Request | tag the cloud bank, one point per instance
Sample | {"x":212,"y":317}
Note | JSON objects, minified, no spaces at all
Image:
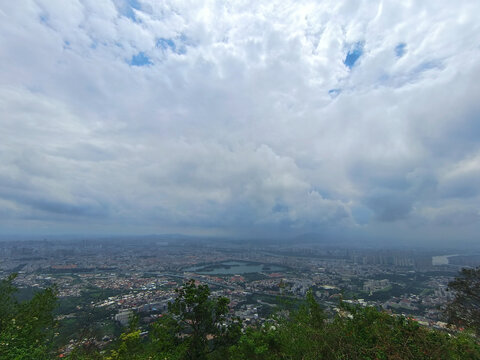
{"x":241,"y":118}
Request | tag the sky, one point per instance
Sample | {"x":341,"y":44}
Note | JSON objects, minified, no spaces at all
{"x":348,"y":119}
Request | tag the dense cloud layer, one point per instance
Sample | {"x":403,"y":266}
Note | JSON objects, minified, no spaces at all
{"x":241,"y":118}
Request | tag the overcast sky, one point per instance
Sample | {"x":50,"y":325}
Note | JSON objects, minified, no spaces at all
{"x":243,"y":118}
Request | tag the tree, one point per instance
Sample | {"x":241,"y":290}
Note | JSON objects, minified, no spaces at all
{"x":26,"y":329}
{"x":203,"y":319}
{"x":7,"y":301}
{"x":196,"y":327}
{"x":464,"y":310}
{"x":354,"y":333}
{"x":290,"y":334}
{"x":165,"y":340}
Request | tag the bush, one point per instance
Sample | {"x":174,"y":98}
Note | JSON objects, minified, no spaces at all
{"x":26,"y":329}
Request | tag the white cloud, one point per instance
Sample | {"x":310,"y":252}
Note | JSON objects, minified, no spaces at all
{"x":231,"y":125}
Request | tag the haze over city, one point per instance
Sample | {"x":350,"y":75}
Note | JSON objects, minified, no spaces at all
{"x":348,"y":120}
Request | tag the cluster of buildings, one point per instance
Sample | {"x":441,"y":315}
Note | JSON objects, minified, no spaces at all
{"x":140,"y":277}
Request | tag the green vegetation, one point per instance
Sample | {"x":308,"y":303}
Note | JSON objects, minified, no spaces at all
{"x":254,"y":276}
{"x":199,"y":327}
{"x":85,"y":321}
{"x":464,"y":311}
{"x":355,"y":333}
{"x":26,"y":328}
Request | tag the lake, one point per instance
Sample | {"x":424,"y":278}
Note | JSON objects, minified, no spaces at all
{"x":234,"y":268}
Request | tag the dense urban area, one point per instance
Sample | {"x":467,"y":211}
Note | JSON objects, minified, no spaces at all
{"x":102,"y":282}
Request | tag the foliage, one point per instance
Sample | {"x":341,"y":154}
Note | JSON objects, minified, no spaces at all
{"x":165,"y":339}
{"x":26,"y":328}
{"x":198,"y":327}
{"x":203,"y":318}
{"x":354,"y":333}
{"x":464,"y":310}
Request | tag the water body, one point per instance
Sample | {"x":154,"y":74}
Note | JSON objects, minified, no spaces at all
{"x":234,"y":268}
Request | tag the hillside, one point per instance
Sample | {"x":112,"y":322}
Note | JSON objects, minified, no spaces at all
{"x":199,"y":326}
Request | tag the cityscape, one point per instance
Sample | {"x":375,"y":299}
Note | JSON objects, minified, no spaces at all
{"x":239,"y":180}
{"x":102,"y":282}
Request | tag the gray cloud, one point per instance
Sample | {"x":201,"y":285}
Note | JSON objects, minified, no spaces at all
{"x":389,"y":205}
{"x":232,"y":118}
